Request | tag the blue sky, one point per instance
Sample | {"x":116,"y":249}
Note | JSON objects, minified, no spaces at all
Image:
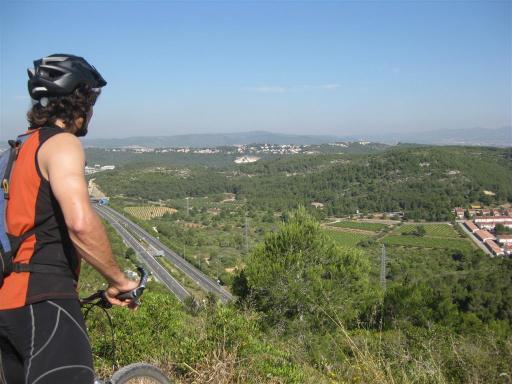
{"x":344,"y":68}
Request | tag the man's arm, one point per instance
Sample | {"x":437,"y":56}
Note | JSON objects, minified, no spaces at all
{"x":61,"y":160}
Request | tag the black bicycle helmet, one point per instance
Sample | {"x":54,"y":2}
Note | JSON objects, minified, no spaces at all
{"x":60,"y":75}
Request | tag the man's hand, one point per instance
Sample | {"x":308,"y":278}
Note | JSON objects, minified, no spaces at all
{"x":115,"y":289}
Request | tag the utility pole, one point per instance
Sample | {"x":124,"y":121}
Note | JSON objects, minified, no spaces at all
{"x":383,"y":267}
{"x":186,"y":198}
{"x":246,"y":233}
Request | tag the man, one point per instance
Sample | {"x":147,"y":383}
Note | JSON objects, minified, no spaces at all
{"x":42,"y":331}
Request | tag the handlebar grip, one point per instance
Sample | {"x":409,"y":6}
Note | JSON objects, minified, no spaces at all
{"x":136,"y":293}
{"x":130,"y":295}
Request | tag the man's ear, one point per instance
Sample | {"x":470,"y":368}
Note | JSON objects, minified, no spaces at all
{"x":79,"y":121}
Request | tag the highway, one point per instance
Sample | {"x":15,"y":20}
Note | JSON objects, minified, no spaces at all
{"x":158,"y":271}
{"x":203,"y":281}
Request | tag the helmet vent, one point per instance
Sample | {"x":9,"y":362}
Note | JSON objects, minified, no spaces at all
{"x":50,"y":73}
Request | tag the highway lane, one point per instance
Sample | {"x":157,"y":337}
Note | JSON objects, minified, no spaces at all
{"x":158,"y":270}
{"x":184,"y":266}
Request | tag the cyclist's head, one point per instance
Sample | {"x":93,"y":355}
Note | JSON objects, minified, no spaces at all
{"x":63,"y":87}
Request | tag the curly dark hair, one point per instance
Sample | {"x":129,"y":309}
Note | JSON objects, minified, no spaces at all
{"x":68,"y":108}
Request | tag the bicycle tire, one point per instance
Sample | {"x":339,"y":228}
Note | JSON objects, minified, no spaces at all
{"x":139,"y":371}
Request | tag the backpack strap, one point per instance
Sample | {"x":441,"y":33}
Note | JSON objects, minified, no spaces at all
{"x":10,"y":244}
{"x":16,"y":241}
{"x":32,"y":267}
{"x":14,"y":150}
{"x":41,"y":268}
{"x":13,"y":155}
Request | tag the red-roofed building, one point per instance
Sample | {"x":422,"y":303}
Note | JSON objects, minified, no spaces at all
{"x":494,"y":248}
{"x":459,"y":212}
{"x":472,"y":212}
{"x":484,"y":235}
{"x":471,"y":226}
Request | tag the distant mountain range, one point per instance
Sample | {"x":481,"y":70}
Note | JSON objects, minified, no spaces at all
{"x":202,"y":140}
{"x":501,"y":137}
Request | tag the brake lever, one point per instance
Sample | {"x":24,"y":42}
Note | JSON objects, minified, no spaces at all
{"x":98,"y":298}
{"x":103,"y":302}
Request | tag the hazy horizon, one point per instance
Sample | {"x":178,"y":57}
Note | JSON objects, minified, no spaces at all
{"x":355,"y":135}
{"x":330,"y":68}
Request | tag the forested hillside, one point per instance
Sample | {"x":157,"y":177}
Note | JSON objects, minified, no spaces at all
{"x":423,"y":182}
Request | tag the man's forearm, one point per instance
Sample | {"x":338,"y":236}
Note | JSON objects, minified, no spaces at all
{"x":92,"y":243}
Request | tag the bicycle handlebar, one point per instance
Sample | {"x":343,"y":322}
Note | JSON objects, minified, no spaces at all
{"x":134,"y":294}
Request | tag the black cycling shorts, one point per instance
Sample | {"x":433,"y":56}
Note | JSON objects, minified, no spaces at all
{"x":45,"y":343}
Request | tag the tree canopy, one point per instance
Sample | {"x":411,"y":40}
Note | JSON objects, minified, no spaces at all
{"x":299,"y":274}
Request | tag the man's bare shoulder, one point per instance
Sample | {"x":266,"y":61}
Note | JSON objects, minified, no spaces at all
{"x":63,"y":141}
{"x":62,"y":145}
{"x":63,"y":151}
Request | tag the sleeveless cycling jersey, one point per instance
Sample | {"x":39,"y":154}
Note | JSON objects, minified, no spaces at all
{"x":32,"y":205}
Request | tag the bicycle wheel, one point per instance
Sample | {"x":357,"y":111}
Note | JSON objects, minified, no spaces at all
{"x":139,"y":373}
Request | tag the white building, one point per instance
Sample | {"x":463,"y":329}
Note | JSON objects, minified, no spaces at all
{"x":246,"y":159}
{"x":505,"y":239}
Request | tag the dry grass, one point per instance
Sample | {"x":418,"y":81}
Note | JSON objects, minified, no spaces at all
{"x":218,"y":368}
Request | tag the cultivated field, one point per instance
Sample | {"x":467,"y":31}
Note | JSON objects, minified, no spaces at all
{"x":438,"y":230}
{"x":149,"y":212}
{"x":349,"y":239}
{"x":374,"y":227}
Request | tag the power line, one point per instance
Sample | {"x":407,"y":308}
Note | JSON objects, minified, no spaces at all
{"x":383,"y":267}
{"x":246,"y":234}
